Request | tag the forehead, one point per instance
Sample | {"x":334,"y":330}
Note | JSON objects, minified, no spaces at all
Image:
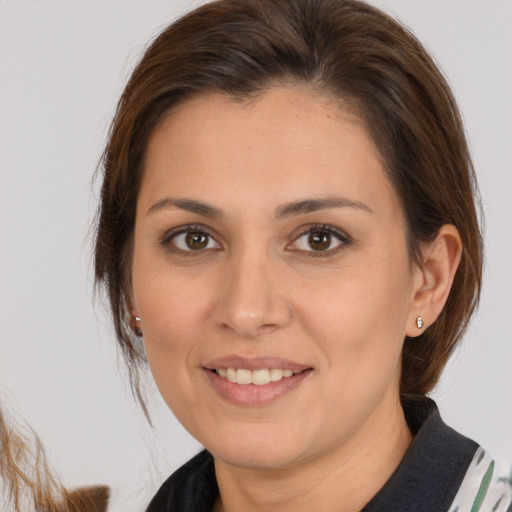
{"x":284,"y":143}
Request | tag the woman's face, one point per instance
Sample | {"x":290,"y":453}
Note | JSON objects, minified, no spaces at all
{"x":269,"y":243}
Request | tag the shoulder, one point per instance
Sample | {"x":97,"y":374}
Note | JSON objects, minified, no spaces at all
{"x":487,"y":485}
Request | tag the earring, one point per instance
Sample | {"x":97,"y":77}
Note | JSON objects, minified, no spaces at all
{"x":136,"y":328}
{"x":419,"y":322}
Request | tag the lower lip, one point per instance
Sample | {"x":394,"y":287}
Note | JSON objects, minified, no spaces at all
{"x":251,"y":395}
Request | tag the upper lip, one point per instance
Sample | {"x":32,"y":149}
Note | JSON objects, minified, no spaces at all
{"x":255,"y":363}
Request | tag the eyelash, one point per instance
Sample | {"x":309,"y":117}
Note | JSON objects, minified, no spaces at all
{"x":343,"y":238}
{"x":167,"y":239}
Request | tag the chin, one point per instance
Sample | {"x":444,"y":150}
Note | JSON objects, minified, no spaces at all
{"x":256,"y":459}
{"x":259,"y":448}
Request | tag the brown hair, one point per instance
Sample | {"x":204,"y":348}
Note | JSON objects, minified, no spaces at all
{"x":27,"y":480}
{"x":346,"y":49}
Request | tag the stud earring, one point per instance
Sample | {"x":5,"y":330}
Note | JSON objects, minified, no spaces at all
{"x":136,"y":328}
{"x":419,"y":322}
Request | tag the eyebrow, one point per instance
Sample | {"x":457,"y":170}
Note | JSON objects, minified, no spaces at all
{"x":284,"y":211}
{"x":189,"y":205}
{"x":314,"y":205}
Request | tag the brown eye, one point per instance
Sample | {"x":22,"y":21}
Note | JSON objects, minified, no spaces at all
{"x":196,"y":241}
{"x":324,"y":240}
{"x":193,"y":240}
{"x":319,"y":241}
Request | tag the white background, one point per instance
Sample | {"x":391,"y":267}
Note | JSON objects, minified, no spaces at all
{"x":62,"y":68}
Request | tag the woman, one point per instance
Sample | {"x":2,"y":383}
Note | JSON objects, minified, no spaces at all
{"x":288,"y":221}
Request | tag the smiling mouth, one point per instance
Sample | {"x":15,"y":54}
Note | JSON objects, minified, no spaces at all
{"x":259,"y":377}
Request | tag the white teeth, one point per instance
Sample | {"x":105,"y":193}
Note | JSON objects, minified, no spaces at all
{"x":276,"y":374}
{"x":260,"y":377}
{"x":231,"y":375}
{"x":257,"y":377}
{"x":243,"y":377}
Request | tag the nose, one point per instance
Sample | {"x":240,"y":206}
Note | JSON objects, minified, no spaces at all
{"x":251,"y":299}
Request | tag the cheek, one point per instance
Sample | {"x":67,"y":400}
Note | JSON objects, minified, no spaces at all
{"x":359,"y":316}
{"x":168,"y":299}
{"x":172,"y":308}
{"x":170,"y":322}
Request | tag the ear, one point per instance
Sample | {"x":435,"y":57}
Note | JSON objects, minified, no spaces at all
{"x":135,"y":322}
{"x":433,"y":278}
{"x":131,"y":306}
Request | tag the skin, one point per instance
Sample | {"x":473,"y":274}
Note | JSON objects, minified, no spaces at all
{"x":258,"y":289}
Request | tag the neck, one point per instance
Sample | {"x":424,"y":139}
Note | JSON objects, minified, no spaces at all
{"x":342,"y":480}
